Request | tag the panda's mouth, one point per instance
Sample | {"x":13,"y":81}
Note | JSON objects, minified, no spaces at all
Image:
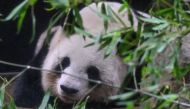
{"x":67,"y":99}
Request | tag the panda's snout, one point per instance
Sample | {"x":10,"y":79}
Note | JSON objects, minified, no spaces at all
{"x":68,"y":90}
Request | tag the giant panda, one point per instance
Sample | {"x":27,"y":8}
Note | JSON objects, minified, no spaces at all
{"x":73,"y":71}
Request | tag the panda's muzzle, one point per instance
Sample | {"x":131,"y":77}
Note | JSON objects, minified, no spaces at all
{"x":68,"y":90}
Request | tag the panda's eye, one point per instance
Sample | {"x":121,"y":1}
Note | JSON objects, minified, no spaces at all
{"x":94,"y":74}
{"x":65,"y":62}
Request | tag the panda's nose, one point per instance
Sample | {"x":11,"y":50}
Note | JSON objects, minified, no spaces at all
{"x":68,"y":90}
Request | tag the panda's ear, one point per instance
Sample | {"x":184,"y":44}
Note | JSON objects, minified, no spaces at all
{"x":56,"y":37}
{"x":54,"y":34}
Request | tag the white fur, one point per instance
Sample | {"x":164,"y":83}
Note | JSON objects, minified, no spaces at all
{"x":112,"y":69}
{"x":91,"y":18}
{"x":42,"y":38}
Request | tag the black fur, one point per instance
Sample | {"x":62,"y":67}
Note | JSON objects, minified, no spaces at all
{"x":27,"y":89}
{"x":94,"y":74}
{"x":65,"y":62}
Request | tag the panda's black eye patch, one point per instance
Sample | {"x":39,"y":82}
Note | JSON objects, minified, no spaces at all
{"x":65,"y":62}
{"x":94,"y":74}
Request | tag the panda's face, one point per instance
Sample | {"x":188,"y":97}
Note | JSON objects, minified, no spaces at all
{"x":78,"y":64}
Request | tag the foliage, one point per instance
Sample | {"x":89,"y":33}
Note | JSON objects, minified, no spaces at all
{"x":20,"y":11}
{"x":155,"y":45}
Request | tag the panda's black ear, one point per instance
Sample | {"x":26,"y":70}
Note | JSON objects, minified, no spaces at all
{"x":47,"y":35}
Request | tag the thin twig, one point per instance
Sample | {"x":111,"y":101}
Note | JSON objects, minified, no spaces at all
{"x":86,"y":93}
{"x":135,"y":79}
{"x":16,"y":76}
{"x":162,"y":98}
{"x":39,"y":69}
{"x":27,"y":67}
{"x":8,"y":73}
{"x":66,"y":19}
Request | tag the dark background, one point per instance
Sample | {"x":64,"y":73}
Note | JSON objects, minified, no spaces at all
{"x":17,"y":48}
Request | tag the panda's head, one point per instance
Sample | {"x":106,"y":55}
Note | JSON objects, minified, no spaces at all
{"x":79,"y":64}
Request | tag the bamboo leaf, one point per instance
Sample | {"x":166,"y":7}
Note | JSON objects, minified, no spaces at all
{"x":33,"y":24}
{"x":113,"y":44}
{"x":82,"y":32}
{"x":2,"y":95}
{"x":160,"y":27}
{"x":12,"y":104}
{"x":21,"y":19}
{"x":122,"y":96}
{"x":16,"y":11}
{"x":33,"y":2}
{"x":45,"y":100}
{"x":103,"y":11}
{"x":153,"y":20}
{"x":81,"y":104}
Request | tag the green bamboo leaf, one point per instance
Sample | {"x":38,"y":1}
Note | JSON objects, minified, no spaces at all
{"x":148,"y":35}
{"x":50,"y":107}
{"x":81,"y":104}
{"x":2,"y":95}
{"x":21,"y":19}
{"x":33,"y":24}
{"x":122,"y":96}
{"x":15,"y":12}
{"x":33,"y":2}
{"x":103,"y":11}
{"x":145,"y":55}
{"x":161,"y":26}
{"x":123,"y":7}
{"x":152,"y":88}
{"x":56,"y":17}
{"x":130,"y":105}
{"x":57,"y":4}
{"x":164,"y":11}
{"x":113,"y":44}
{"x":169,"y":97}
{"x":105,"y":17}
{"x":45,"y":100}
{"x":82,"y":32}
{"x":153,"y":20}
{"x":117,"y":18}
{"x":78,"y":19}
{"x":64,"y":2}
{"x":12,"y":104}
{"x":162,"y":47}
{"x":90,"y":44}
